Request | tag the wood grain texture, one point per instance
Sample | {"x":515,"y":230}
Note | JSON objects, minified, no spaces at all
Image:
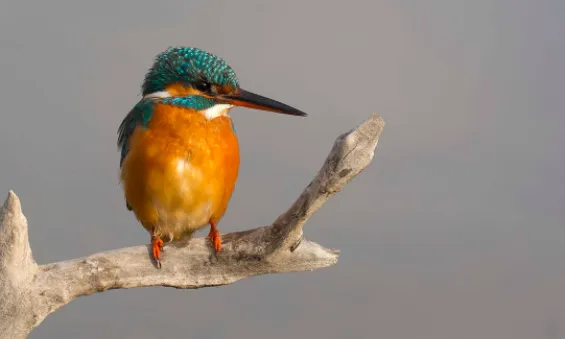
{"x":29,"y":293}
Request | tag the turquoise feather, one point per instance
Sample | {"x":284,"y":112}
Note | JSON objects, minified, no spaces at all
{"x":187,"y":65}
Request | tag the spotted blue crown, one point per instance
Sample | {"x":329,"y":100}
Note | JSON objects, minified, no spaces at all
{"x":187,"y":65}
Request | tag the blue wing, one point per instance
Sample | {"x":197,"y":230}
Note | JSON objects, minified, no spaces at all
{"x":139,"y":115}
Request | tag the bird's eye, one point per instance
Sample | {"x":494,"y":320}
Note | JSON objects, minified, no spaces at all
{"x":203,"y":86}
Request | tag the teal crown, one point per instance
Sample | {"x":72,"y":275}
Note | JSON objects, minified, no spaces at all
{"x":187,"y":65}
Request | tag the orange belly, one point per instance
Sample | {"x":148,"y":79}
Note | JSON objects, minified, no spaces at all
{"x":180,"y":171}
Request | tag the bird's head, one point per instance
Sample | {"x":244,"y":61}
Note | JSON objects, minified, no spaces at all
{"x":187,"y":76}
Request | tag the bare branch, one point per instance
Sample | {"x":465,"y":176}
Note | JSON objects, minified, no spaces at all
{"x":352,"y":152}
{"x":191,"y":264}
{"x":29,"y":293}
{"x":17,"y":270}
{"x":15,"y":253}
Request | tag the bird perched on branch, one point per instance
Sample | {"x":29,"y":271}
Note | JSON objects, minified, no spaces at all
{"x":179,"y":151}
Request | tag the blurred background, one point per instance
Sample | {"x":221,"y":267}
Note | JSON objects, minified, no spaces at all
{"x":456,"y":230}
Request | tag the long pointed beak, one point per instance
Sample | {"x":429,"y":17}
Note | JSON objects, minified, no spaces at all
{"x":256,"y":101}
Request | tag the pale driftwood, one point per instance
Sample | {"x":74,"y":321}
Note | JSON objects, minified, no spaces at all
{"x":29,"y":292}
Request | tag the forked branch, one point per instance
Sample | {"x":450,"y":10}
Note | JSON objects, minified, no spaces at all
{"x":28,"y":292}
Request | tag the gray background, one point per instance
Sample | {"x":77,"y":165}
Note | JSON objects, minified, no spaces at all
{"x":455,"y":231}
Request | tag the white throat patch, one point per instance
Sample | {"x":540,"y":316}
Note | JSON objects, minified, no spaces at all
{"x":218,"y":110}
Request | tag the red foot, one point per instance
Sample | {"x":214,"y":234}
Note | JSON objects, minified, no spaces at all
{"x":215,"y":237}
{"x":157,"y":246}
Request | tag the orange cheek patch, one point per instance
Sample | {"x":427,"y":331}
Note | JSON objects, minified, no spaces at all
{"x":226,"y":89}
{"x":181,"y":90}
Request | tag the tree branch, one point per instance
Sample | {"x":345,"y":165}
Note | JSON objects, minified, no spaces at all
{"x":352,"y":152}
{"x":29,"y":293}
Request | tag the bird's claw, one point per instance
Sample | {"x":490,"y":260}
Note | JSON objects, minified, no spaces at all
{"x":157,"y":248}
{"x":215,"y":237}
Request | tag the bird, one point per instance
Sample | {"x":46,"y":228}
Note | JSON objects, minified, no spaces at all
{"x":179,"y":152}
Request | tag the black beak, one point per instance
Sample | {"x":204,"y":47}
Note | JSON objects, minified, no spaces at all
{"x":247,"y":99}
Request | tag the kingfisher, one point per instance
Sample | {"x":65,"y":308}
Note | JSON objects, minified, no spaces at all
{"x":179,"y":151}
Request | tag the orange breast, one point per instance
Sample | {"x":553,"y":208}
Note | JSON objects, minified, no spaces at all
{"x":180,"y":170}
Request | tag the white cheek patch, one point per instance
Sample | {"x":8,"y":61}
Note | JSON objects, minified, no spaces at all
{"x":157,"y":95}
{"x":219,"y":110}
